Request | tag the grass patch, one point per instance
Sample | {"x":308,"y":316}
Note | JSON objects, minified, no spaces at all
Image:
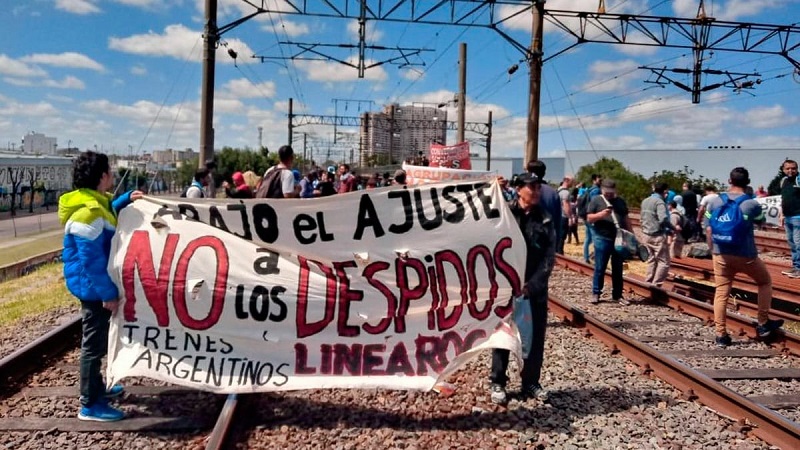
{"x":34,"y":294}
{"x":10,"y":255}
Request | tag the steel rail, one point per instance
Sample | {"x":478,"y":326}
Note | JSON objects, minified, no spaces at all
{"x":740,"y":324}
{"x":219,"y":435}
{"x":26,"y":359}
{"x":767,"y":424}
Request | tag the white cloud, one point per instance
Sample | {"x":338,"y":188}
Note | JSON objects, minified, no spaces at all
{"x":40,"y":109}
{"x":412,"y":74}
{"x":243,"y":88}
{"x":768,"y":117}
{"x":179,"y":42}
{"x":81,"y":7}
{"x":730,"y":10}
{"x":146,"y":4}
{"x":67,"y":59}
{"x":372,"y":33}
{"x":16,"y":68}
{"x":335,"y":72}
{"x":139,"y":70}
{"x":69,"y":82}
{"x":610,"y":76}
{"x":292,"y":29}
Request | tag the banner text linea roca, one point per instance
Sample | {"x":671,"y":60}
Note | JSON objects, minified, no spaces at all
{"x":388,"y":288}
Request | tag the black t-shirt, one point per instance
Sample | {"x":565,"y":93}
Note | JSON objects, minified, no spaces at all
{"x":605,"y":227}
{"x":690,"y":203}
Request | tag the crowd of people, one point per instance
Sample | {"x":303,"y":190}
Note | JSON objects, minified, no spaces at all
{"x":284,"y":181}
{"x":547,"y":217}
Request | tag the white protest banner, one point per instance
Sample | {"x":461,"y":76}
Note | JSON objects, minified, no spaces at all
{"x":772,"y":209}
{"x":387,"y":288}
{"x":450,"y":156}
{"x":416,"y":175}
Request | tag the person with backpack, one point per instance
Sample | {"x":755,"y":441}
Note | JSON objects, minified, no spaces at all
{"x":583,"y":207}
{"x":731,"y":237}
{"x":656,"y":226}
{"x":790,"y":213}
{"x":676,"y":239}
{"x":197,"y":188}
{"x":278,"y":180}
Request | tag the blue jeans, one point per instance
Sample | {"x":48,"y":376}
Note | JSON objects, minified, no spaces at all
{"x":603,"y":251}
{"x":587,"y":241}
{"x":792,"y":225}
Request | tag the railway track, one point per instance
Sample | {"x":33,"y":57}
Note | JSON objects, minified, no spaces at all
{"x":665,"y":343}
{"x":770,"y":242}
{"x":159,"y":409}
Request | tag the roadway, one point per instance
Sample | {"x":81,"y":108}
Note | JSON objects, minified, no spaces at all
{"x":28,"y":228}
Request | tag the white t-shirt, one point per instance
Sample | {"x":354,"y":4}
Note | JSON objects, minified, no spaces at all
{"x":707,"y":198}
{"x":287,"y":178}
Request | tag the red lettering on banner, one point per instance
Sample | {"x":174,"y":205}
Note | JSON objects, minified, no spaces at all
{"x":219,"y":289}
{"x":346,"y":295}
{"x":406,"y":293}
{"x":445,"y":321}
{"x":432,"y":355}
{"x":139,"y":256}
{"x":304,"y":327}
{"x":509,"y":272}
{"x":391,"y":301}
{"x":472,"y":257}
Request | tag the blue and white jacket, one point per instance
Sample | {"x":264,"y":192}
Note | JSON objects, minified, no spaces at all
{"x":90,"y":220}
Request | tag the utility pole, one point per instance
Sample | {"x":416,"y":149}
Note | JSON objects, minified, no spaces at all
{"x":535,"y":64}
{"x":462,"y":90}
{"x":489,"y":143}
{"x":291,"y":115}
{"x":210,"y":39}
{"x":391,"y":134}
{"x":305,"y":144}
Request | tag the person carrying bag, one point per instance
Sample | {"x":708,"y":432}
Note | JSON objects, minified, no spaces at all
{"x":625,"y":243}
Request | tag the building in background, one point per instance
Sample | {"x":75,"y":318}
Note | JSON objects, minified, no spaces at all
{"x":47,"y":177}
{"x":400,"y":132}
{"x":35,"y":143}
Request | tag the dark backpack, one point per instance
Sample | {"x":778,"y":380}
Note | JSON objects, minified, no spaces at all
{"x":687,"y":230}
{"x":728,"y":223}
{"x":270,"y":186}
{"x":583,"y":204}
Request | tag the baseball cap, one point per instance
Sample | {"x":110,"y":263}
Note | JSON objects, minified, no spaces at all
{"x":526,"y":178}
{"x":608,"y":185}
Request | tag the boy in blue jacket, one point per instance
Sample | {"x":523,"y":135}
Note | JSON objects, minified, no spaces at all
{"x":90,"y":219}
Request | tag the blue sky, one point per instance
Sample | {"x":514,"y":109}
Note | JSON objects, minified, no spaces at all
{"x":125,"y":74}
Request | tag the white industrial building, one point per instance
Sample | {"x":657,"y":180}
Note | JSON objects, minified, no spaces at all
{"x":35,"y":143}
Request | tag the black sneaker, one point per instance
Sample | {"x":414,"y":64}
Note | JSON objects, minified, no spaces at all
{"x":724,"y":341}
{"x":767,"y":329}
{"x":499,"y":395}
{"x":535,"y":391}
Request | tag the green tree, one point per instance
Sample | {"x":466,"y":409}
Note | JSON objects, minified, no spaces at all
{"x":631,"y":186}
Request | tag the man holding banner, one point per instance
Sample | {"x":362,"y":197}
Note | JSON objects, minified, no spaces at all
{"x":539,"y":232}
{"x":790,"y":213}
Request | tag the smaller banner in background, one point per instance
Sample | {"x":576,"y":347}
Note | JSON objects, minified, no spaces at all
{"x":450,"y":156}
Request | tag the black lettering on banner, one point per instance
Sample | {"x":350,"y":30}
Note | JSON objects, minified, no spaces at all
{"x":458,"y":215}
{"x":486,"y":201}
{"x":189,"y":211}
{"x":216,"y":219}
{"x":265,"y":221}
{"x":428,"y":224}
{"x":168,"y":211}
{"x":267,"y":264}
{"x":466,"y":189}
{"x":408,"y":211}
{"x":248,"y":235}
{"x":304,"y":222}
{"x":367,"y":217}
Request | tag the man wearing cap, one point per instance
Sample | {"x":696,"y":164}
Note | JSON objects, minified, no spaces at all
{"x":540,"y":238}
{"x":604,"y":212}
{"x":548,"y":196}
